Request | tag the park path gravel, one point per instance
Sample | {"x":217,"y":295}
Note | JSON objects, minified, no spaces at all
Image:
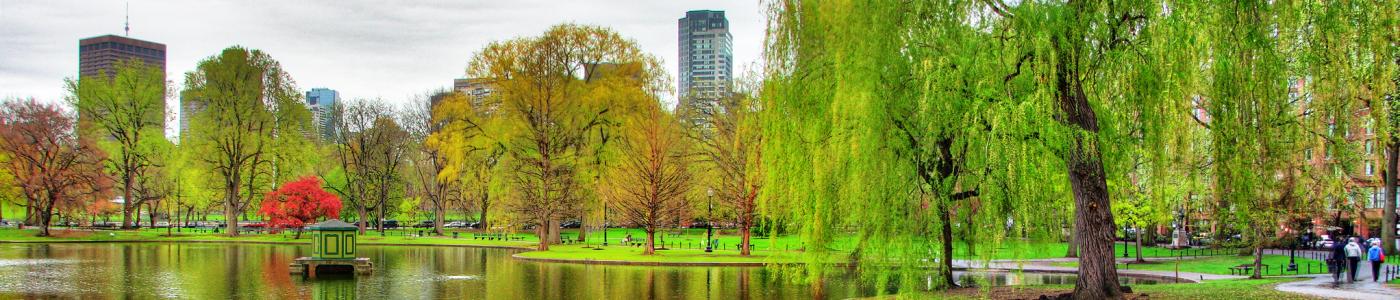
{"x":1319,"y":285}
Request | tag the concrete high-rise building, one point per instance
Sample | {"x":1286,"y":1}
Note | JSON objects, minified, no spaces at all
{"x":706,"y":59}
{"x":188,"y":108}
{"x":98,"y":56}
{"x":321,"y":101}
{"x":473,"y":87}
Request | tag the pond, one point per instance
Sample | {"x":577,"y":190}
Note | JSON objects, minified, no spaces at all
{"x":259,"y":271}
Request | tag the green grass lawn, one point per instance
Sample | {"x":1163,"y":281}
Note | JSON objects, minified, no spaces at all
{"x":1219,"y":264}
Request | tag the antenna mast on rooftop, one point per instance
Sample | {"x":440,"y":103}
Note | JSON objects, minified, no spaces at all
{"x":128,"y":19}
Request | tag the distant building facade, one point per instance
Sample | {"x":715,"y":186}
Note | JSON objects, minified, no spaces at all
{"x":188,"y":108}
{"x":98,"y":57}
{"x":476,"y":88}
{"x":706,"y":59}
{"x":321,"y":102}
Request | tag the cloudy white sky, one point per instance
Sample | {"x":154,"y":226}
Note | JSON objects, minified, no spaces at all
{"x":364,"y":49}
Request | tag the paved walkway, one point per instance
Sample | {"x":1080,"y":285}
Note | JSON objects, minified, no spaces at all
{"x":1324,"y":286}
{"x":1320,"y":285}
{"x":1047,"y":265}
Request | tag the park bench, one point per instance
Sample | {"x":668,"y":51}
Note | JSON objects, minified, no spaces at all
{"x":1241,"y":269}
{"x":1244,"y":269}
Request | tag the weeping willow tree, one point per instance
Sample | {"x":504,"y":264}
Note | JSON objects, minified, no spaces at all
{"x":1284,"y":85}
{"x":882,"y":116}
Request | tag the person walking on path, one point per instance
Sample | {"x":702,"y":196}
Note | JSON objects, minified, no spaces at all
{"x":1377,"y":257}
{"x":1338,"y":261}
{"x":1353,"y":258}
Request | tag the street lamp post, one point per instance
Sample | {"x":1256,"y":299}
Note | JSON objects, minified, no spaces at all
{"x":605,"y":225}
{"x":1125,"y":242}
{"x":1292,"y":265}
{"x":709,"y":221}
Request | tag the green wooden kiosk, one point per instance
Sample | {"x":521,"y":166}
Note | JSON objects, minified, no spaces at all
{"x":332,"y":247}
{"x":332,"y":239}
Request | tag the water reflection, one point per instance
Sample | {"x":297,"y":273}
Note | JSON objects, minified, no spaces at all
{"x":257,"y":271}
{"x":995,"y":278}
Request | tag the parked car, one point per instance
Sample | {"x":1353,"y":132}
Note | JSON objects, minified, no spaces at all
{"x":162,"y":224}
{"x":476,"y":225}
{"x":390,"y":224}
{"x":455,"y":224}
{"x":1324,"y":242}
{"x":424,"y":224}
{"x":570,"y":224}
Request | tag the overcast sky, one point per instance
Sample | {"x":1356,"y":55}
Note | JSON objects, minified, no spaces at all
{"x":364,"y":49}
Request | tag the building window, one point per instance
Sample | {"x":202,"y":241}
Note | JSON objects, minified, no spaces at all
{"x":1370,"y":169}
{"x":1376,"y":196}
{"x":1369,"y":149}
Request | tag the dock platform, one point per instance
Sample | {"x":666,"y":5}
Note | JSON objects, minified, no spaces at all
{"x":308,"y":266}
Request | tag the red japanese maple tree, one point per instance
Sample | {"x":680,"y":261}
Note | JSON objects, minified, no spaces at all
{"x":299,"y":202}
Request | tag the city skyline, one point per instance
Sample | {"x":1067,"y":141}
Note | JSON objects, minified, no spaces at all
{"x":415,"y":49}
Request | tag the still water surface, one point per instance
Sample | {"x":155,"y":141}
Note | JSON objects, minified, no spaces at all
{"x":259,"y":271}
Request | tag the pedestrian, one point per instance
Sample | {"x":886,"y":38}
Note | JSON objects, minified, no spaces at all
{"x":1338,"y":261}
{"x":1353,"y":257}
{"x":1377,"y":257}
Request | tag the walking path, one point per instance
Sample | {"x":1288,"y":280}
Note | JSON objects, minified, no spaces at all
{"x":1047,"y":265}
{"x":1323,"y":285}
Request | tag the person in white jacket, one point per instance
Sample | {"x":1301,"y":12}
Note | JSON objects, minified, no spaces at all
{"x":1354,"y":253}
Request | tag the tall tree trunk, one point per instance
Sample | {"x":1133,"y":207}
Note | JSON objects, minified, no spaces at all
{"x":363,"y":215}
{"x":745,"y":237}
{"x":554,"y":232}
{"x":136,"y":222}
{"x":1388,"y":212}
{"x":481,"y":217}
{"x":1258,"y":261}
{"x":1093,"y":217}
{"x":439,"y":215}
{"x":651,"y":242}
{"x":126,"y":201}
{"x":1071,"y":248}
{"x":151,"y":211}
{"x":230,"y":216}
{"x":582,"y":230}
{"x":945,"y":274}
{"x":380,"y":218}
{"x":1139,"y":246}
{"x":542,"y":232}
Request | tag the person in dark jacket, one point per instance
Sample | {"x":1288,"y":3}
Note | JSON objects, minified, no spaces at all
{"x":1338,"y":261}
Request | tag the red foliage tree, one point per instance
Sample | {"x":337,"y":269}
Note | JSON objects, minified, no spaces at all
{"x":299,"y":202}
{"x":55,"y":170}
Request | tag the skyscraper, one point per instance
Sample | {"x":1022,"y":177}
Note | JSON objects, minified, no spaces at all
{"x":321,"y":101}
{"x":706,"y":59}
{"x":98,"y":56}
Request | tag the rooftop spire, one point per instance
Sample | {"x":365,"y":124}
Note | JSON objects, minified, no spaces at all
{"x":128,"y":19}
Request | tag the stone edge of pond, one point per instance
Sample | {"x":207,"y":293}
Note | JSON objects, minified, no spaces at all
{"x":638,"y":263}
{"x":1163,"y":279}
